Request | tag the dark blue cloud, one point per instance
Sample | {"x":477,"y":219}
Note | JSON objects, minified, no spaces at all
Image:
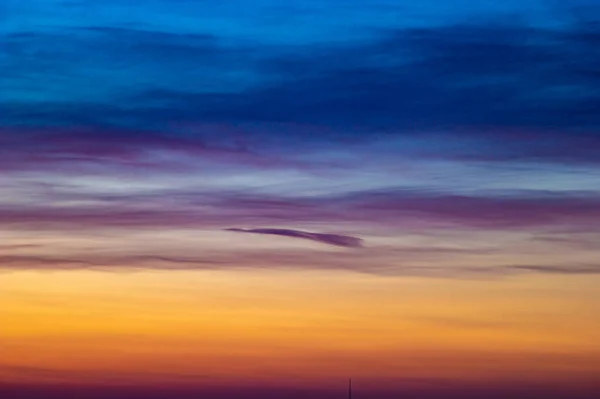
{"x":457,"y":76}
{"x":448,"y":77}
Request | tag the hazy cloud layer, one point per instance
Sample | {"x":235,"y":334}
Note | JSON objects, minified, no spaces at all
{"x":386,"y":121}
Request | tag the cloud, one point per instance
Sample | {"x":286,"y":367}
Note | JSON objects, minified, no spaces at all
{"x":114,"y":263}
{"x":114,"y":60}
{"x":454,"y":76}
{"x":331,"y":239}
{"x":168,"y":104}
{"x":70,"y":149}
{"x":492,"y":74}
{"x":10,"y":247}
{"x":424,"y":262}
{"x":498,"y":91}
{"x":560,"y":269}
{"x":399,"y":210}
{"x":498,"y":212}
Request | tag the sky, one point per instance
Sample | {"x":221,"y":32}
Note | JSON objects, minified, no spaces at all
{"x":262,"y":199}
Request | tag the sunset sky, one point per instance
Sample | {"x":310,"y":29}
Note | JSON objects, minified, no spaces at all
{"x":263,"y":198}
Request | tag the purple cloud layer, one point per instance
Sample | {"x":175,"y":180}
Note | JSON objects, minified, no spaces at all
{"x":262,"y":146}
{"x":395,"y":209}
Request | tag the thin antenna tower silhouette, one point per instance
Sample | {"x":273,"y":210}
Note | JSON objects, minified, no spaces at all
{"x":350,"y":388}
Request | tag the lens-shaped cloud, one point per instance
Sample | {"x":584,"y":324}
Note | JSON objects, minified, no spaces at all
{"x":331,"y":239}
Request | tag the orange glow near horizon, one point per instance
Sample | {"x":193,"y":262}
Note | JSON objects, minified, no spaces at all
{"x":295,"y":327}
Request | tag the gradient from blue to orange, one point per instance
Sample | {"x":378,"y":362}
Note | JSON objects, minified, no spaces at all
{"x":244,"y":199}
